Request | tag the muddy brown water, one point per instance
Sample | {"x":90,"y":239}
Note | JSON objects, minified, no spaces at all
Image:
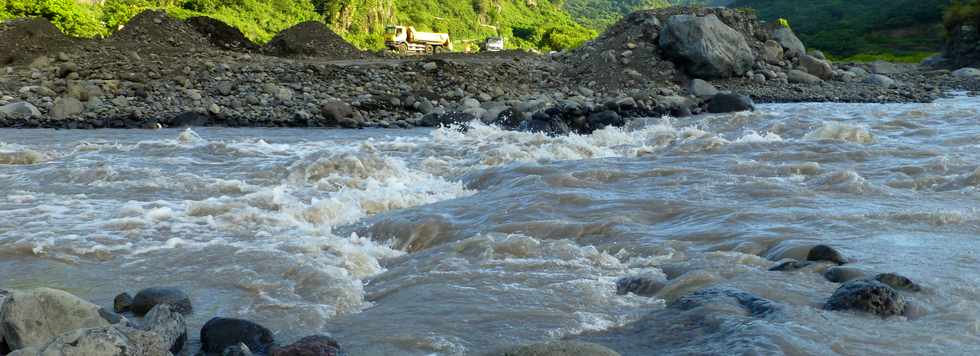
{"x":420,"y":242}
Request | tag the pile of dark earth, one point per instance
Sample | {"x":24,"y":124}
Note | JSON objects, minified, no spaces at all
{"x":158,"y":71}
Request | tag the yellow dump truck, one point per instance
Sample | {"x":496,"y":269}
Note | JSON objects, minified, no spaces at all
{"x":405,"y":39}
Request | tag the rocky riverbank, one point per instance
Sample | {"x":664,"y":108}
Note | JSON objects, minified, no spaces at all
{"x":163,"y":72}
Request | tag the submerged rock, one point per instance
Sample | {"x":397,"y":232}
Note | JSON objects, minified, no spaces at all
{"x":790,"y":265}
{"x":898,"y":282}
{"x":316,"y":345}
{"x":868,"y":296}
{"x":558,"y":348}
{"x":220,"y":333}
{"x":751,"y":303}
{"x":148,"y":298}
{"x":843,"y":274}
{"x":642,"y":286}
{"x":32,"y":318}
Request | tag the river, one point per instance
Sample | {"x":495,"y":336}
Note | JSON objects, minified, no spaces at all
{"x":450,"y":242}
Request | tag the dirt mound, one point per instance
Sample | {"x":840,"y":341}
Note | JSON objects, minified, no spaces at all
{"x":22,"y":40}
{"x":221,"y":35}
{"x":628,"y":54}
{"x":312,"y":39}
{"x":154,"y":30}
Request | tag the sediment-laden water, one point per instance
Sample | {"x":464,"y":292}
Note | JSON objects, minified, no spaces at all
{"x":447,"y":242}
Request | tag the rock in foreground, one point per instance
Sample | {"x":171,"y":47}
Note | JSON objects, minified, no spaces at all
{"x":32,"y":318}
{"x":146,"y":299}
{"x":220,"y":333}
{"x":706,"y":47}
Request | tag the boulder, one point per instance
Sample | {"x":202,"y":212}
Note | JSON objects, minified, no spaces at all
{"x":826,"y":253}
{"x":558,"y":348}
{"x":101,"y":341}
{"x":169,"y":324}
{"x":20,"y":109}
{"x":237,"y":350}
{"x":818,"y":54}
{"x":772,"y":52}
{"x":883,"y":67}
{"x":602,"y":119}
{"x":334,"y":111}
{"x":701,"y":88}
{"x":843,"y":274}
{"x":316,"y":345}
{"x":792,"y":46}
{"x":220,"y":333}
{"x":65,"y":107}
{"x":816,"y":66}
{"x":642,"y":286}
{"x":706,"y":47}
{"x":148,"y":298}
{"x":967,"y":73}
{"x":31,"y":318}
{"x":879,"y":80}
{"x":801,"y":77}
{"x":750,"y":303}
{"x":726,"y":102}
{"x":868,"y":296}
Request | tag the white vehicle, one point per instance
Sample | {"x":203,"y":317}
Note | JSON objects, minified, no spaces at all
{"x":493,"y":44}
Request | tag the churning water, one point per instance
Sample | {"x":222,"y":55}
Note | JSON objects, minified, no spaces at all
{"x":459,"y":242}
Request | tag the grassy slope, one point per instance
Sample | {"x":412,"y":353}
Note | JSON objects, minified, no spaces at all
{"x":258,"y":19}
{"x":848,"y":27}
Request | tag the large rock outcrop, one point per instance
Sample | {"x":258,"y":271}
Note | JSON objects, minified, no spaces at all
{"x":31,"y":318}
{"x":792,"y":46}
{"x":705,"y":47}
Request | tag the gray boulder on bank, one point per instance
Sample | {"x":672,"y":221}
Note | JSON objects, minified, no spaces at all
{"x":102,"y":341}
{"x":21,"y":108}
{"x":816,"y":66}
{"x":169,"y":324}
{"x":967,"y":73}
{"x":792,"y":45}
{"x":32,"y":318}
{"x":801,"y":77}
{"x":880,"y":81}
{"x":701,"y":88}
{"x":706,"y":47}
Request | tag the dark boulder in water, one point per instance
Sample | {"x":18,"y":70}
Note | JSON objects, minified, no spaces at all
{"x":726,"y":102}
{"x":220,"y":333}
{"x":843,"y":274}
{"x":316,"y":345}
{"x":642,"y":286}
{"x":751,"y":303}
{"x":122,"y":303}
{"x":898,"y":281}
{"x":148,"y":298}
{"x":868,"y":296}
{"x":826,"y":253}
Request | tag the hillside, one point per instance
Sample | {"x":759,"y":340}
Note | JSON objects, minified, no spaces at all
{"x":846,"y":27}
{"x":523,"y":23}
{"x":600,"y":14}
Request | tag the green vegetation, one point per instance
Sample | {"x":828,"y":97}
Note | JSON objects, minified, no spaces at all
{"x":536,"y":24}
{"x":962,"y":13}
{"x":912,"y":57}
{"x":599,"y":14}
{"x":258,"y":19}
{"x":903,"y":28}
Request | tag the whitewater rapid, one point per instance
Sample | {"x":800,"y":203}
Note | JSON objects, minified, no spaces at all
{"x":458,"y":241}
